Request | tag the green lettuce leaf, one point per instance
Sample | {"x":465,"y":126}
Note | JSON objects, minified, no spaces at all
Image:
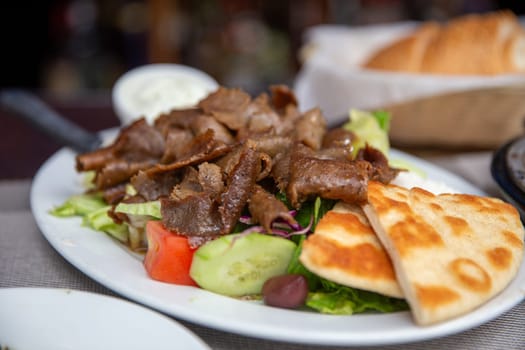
{"x":313,"y":208}
{"x":79,"y":205}
{"x":151,"y":209}
{"x":94,"y":212}
{"x":383,"y":119}
{"x":332,"y":298}
{"x":139,"y":214}
{"x":369,"y":128}
{"x":295,"y":267}
{"x":100,"y":220}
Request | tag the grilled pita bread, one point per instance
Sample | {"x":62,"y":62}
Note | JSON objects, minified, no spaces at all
{"x":345,"y":249}
{"x":451,"y":252}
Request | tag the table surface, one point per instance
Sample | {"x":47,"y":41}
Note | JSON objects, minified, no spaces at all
{"x":27,"y":260}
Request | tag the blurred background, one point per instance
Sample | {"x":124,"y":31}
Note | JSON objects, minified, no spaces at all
{"x":71,"y":51}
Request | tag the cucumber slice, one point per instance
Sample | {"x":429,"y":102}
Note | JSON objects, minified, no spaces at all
{"x":238,"y":264}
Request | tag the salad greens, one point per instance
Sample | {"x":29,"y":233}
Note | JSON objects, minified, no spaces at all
{"x":151,"y":209}
{"x":370,"y":128}
{"x":324,"y":296}
{"x":94,"y":212}
{"x":100,"y":220}
{"x":332,"y":298}
{"x":80,"y":205}
{"x":373,"y":128}
{"x":336,"y":299}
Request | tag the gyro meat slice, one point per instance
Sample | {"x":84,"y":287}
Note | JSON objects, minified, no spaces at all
{"x":137,"y":142}
{"x":202,"y":205}
{"x":331,"y":179}
{"x":311,"y":128}
{"x":176,"y":119}
{"x":239,"y":186}
{"x":380,"y":170}
{"x":202,"y":148}
{"x":211,"y":179}
{"x":177,"y":142}
{"x":204,"y":220}
{"x":262,"y":119}
{"x":338,"y":138}
{"x":119,"y":171}
{"x":282,"y":97}
{"x":152,"y":187}
{"x":265,"y":209}
{"x":203,"y":123}
{"x":281,"y":170}
{"x":272,"y":144}
{"x":228,"y":106}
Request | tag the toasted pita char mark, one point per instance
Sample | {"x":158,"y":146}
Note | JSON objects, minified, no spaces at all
{"x":363,"y":259}
{"x":413,"y":233}
{"x":512,"y":239}
{"x":345,"y":249}
{"x":434,"y":296}
{"x":384,"y":204}
{"x":499,"y":257}
{"x":458,"y":226}
{"x":451,"y":252}
{"x":409,"y":231}
{"x":485,"y":205}
{"x":436,"y":207}
{"x":470,"y":274}
{"x":344,"y":221}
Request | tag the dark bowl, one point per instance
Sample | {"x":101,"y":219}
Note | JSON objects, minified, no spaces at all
{"x":508,"y":171}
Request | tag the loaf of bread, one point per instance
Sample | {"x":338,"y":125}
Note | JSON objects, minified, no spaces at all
{"x":476,"y":44}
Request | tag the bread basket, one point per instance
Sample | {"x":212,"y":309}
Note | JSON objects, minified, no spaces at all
{"x":481,"y":118}
{"x":436,"y":111}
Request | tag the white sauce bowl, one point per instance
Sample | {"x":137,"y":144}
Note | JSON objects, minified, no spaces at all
{"x":150,"y":90}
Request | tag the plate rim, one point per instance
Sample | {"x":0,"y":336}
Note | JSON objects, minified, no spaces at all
{"x":329,"y":337}
{"x":80,"y":297}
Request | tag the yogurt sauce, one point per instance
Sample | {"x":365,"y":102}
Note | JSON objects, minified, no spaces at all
{"x":151,"y":90}
{"x":409,"y":179}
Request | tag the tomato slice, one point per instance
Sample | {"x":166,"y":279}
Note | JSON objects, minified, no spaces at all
{"x":169,"y":255}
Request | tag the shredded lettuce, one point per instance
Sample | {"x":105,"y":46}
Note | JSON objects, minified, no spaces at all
{"x":383,"y":119}
{"x":370,"y":128}
{"x":321,"y":207}
{"x":295,"y":267}
{"x":79,"y":205}
{"x":331,"y":303}
{"x":139,"y":214}
{"x":332,"y":298}
{"x":313,"y":208}
{"x":130,"y":190}
{"x":88,"y":179}
{"x":100,"y":220}
{"x":94,"y":212}
{"x":151,"y":209}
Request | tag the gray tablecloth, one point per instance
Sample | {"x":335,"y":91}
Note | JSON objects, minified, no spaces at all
{"x":27,"y":260}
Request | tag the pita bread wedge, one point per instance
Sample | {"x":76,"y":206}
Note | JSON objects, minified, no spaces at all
{"x":345,"y":249}
{"x":451,"y":252}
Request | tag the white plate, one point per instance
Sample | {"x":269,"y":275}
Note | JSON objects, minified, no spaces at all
{"x":112,"y":265}
{"x":41,"y":318}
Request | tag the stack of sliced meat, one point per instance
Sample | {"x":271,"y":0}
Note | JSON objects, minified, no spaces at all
{"x":232,"y":154}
